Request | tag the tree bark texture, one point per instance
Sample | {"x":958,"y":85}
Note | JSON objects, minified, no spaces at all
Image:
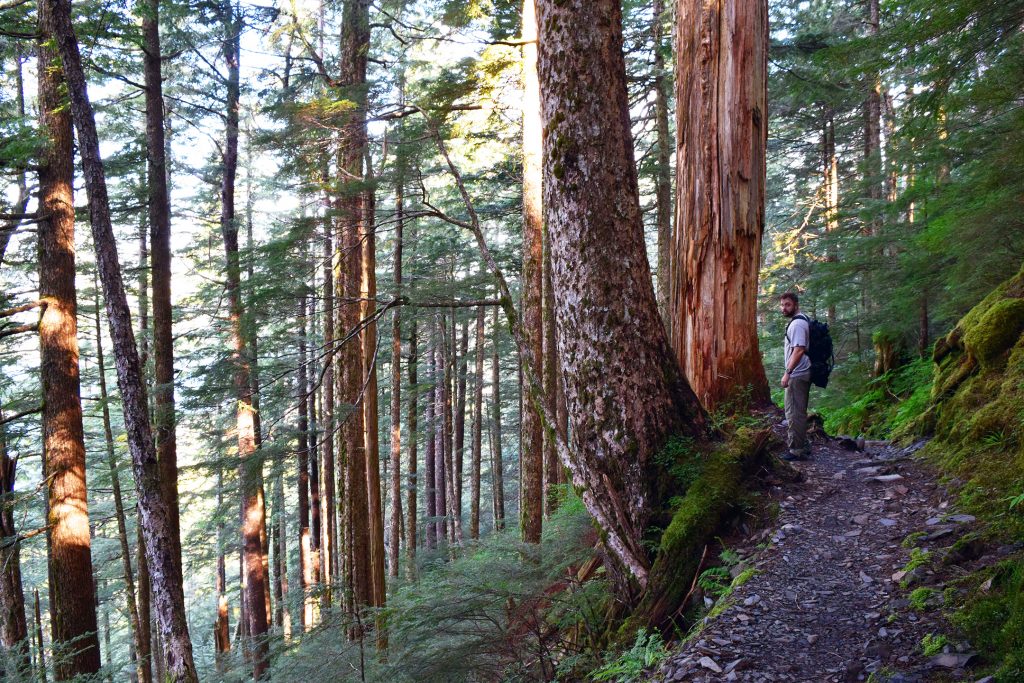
{"x":371,"y":430}
{"x":494,"y":434}
{"x":532,"y":473}
{"x":153,"y":513}
{"x":13,"y":626}
{"x":411,"y":525}
{"x":722,"y":124}
{"x":624,"y":392}
{"x":478,"y":418}
{"x":302,"y":475}
{"x":460,"y":422}
{"x":160,"y":248}
{"x":250,"y":465}
{"x":72,"y":590}
{"x":430,"y":455}
{"x":396,"y":396}
{"x":663,"y":177}
{"x":115,"y":481}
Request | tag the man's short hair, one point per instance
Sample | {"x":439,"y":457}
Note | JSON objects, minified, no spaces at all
{"x":791,"y":296}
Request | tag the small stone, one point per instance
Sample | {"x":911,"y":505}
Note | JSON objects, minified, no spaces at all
{"x":950,"y":660}
{"x":961,"y":519}
{"x":752,"y":600}
{"x":939,"y":533}
{"x":885,"y":521}
{"x":853,"y":534}
{"x":736,"y":665}
{"x":886,"y":478}
{"x":710,"y":664}
{"x":860,"y":519}
{"x":865,"y":578}
{"x":812,"y":639}
{"x":932,"y":521}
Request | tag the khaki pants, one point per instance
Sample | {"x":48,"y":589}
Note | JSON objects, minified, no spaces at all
{"x":797,"y":393}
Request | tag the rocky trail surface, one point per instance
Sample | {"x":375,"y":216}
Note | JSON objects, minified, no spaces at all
{"x":829,"y":596}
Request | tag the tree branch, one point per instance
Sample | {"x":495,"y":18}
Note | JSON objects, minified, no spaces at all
{"x":21,"y":414}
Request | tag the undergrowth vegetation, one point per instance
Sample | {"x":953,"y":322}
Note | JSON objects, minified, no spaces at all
{"x":502,"y":610}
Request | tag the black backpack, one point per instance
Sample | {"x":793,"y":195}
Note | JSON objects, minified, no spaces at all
{"x":819,"y":350}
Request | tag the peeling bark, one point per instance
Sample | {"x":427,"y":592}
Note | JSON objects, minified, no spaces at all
{"x":722,"y":124}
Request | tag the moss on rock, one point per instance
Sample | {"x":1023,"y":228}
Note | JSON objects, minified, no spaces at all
{"x":996,"y":331}
{"x":976,"y":417}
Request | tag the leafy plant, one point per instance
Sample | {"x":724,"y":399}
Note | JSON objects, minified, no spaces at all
{"x":714,"y":581}
{"x":647,"y":651}
{"x":932,"y":644}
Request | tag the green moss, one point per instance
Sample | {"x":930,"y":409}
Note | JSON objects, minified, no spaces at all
{"x":919,"y":598}
{"x":996,"y":331}
{"x":932,"y":644}
{"x":708,"y":501}
{"x":993,"y":619}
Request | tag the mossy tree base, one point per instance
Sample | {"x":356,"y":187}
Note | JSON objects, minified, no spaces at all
{"x":696,"y":518}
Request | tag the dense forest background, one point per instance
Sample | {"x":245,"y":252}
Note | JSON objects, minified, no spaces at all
{"x":895,"y":172}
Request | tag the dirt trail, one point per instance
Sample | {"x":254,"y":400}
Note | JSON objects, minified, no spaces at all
{"x":826,"y":602}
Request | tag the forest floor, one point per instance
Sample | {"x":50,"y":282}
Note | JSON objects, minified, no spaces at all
{"x":848,"y":580}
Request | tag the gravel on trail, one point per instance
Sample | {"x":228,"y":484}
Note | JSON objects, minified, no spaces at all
{"x":826,"y":602}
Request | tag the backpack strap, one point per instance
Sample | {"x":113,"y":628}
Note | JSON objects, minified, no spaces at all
{"x":803,"y":317}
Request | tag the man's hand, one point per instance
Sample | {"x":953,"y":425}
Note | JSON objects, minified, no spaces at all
{"x":785,"y":380}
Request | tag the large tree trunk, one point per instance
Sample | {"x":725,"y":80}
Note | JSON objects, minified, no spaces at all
{"x":250,"y":325}
{"x":532,"y":474}
{"x":327,"y":517}
{"x":430,"y":456}
{"x":115,"y":482}
{"x":453,"y":523}
{"x":624,"y":391}
{"x":282,"y":615}
{"x":221,"y":627}
{"x":663,"y":143}
{"x":371,"y":429}
{"x":396,"y":395}
{"x":250,"y":466}
{"x":154,"y":515}
{"x":13,"y":627}
{"x":460,"y":423}
{"x":873,"y":131}
{"x":552,"y":468}
{"x":160,"y":247}
{"x":38,"y":625}
{"x":410,"y":512}
{"x":722,"y":123}
{"x":440,"y":432}
{"x":494,"y":434}
{"x":478,"y":420}
{"x":830,"y":179}
{"x":305,"y":543}
{"x":72,"y":591}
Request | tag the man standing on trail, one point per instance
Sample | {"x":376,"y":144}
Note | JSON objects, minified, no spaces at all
{"x":797,"y":378}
